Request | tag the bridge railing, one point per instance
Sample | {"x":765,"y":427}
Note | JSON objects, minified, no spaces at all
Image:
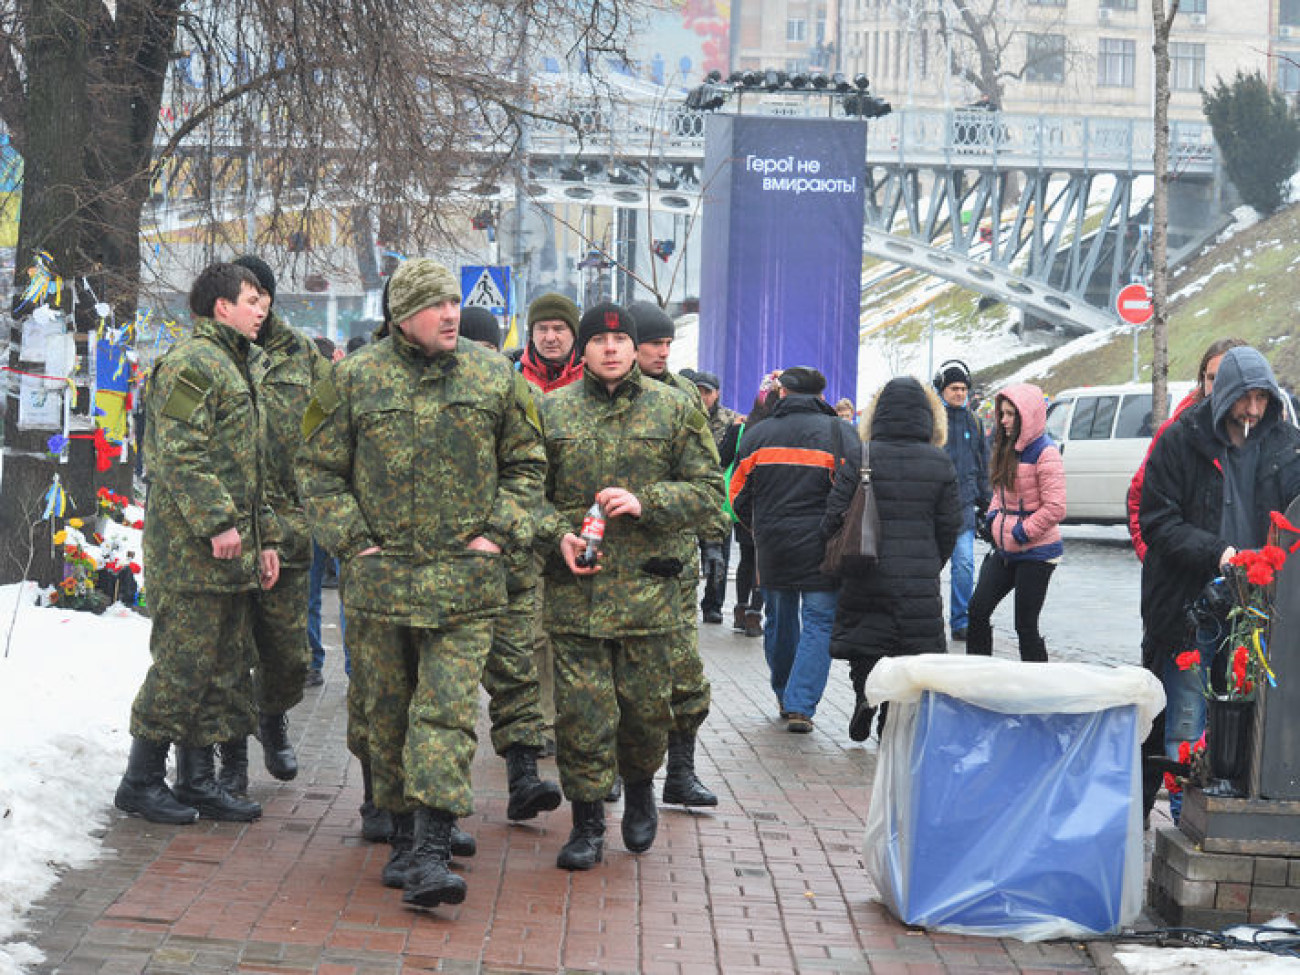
{"x":964,"y":137}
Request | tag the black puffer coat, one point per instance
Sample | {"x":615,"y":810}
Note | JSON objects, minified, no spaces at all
{"x":895,"y":608}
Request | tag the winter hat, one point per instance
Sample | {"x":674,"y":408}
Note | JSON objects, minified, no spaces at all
{"x":261,"y":270}
{"x":951,"y":372}
{"x":480,"y":325}
{"x":605,"y":317}
{"x":420,"y":284}
{"x":802,"y":379}
{"x":707,"y":380}
{"x":652,"y":322}
{"x":552,"y":307}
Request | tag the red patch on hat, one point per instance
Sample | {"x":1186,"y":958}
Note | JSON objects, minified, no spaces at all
{"x":612,"y":321}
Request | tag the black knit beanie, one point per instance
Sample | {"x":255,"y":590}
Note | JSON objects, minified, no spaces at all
{"x":605,"y":317}
{"x":652,"y":322}
{"x":261,"y":270}
{"x":480,"y":325}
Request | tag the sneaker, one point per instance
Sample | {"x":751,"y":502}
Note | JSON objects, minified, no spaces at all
{"x":314,"y":678}
{"x":712,"y":616}
{"x":753,"y":623}
{"x":800,"y":724}
{"x":959,"y":634}
{"x":860,"y":724}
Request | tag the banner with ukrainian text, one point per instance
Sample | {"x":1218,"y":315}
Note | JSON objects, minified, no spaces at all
{"x":782,"y":261}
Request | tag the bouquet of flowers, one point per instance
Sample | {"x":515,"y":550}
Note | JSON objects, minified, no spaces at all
{"x":112,"y":506}
{"x":77,"y":590}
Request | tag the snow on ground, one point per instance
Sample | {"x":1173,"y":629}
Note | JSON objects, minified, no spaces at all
{"x":66,"y":685}
{"x":1202,"y":961}
{"x":1080,"y":346}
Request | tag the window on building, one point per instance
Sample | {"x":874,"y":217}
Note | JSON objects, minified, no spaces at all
{"x":1186,"y":66}
{"x":1118,"y":4}
{"x":1288,"y":13}
{"x":1045,"y":58}
{"x":1192,"y":7}
{"x":821,"y":27}
{"x":796,"y":29}
{"x":1288,"y":74}
{"x":1115,"y":62}
{"x":1047,"y":3}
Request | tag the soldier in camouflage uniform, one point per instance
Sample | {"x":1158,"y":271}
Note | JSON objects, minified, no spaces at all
{"x":643,"y":453}
{"x":421,"y":466}
{"x":691,"y":691}
{"x":208,"y":545}
{"x":280,"y":614}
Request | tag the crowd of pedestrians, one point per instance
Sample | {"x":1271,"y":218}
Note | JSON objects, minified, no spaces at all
{"x":537,"y":525}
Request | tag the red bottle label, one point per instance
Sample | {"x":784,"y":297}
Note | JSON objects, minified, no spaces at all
{"x":593,"y":528}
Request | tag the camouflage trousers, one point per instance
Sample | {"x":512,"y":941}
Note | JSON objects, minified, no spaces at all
{"x":199,"y":688}
{"x":543,"y":662}
{"x":280,"y":635}
{"x":613,"y":711}
{"x":510,"y":677}
{"x":691,"y":692}
{"x":418,"y":696}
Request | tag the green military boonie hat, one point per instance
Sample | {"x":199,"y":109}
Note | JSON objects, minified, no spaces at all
{"x":418,"y":284}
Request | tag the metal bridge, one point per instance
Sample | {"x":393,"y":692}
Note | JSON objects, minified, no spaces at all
{"x":1035,"y":210}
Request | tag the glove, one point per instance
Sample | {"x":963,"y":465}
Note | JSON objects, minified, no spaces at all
{"x":984,"y":528}
{"x":1019,"y":534}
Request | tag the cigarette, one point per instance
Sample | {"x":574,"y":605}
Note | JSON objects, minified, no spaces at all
{"x":1247,"y":433}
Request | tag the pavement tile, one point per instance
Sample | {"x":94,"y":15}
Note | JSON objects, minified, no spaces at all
{"x":770,"y":881}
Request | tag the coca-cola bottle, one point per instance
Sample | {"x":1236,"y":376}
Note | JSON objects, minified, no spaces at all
{"x":593,"y":532}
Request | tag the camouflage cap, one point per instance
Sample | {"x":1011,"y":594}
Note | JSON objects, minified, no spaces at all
{"x":418,"y":284}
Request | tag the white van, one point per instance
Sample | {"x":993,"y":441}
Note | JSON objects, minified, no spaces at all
{"x":1103,"y":433}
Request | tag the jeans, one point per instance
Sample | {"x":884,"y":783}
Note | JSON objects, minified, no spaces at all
{"x":1185,"y":698}
{"x":797,"y":642}
{"x":962,"y":569}
{"x":999,"y":576}
{"x":319,"y":561}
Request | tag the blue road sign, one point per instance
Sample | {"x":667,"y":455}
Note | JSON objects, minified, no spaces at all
{"x":486,"y":287}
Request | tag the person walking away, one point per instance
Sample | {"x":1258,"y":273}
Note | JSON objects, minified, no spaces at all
{"x":894,"y":608}
{"x":691,"y":694}
{"x":420,"y":467}
{"x":725,"y":424}
{"x":209,"y":547}
{"x":968,"y":449}
{"x":784,"y":471}
{"x":1211,"y":482}
{"x":1023,"y":521}
{"x":749,"y":594}
{"x":644,"y":455}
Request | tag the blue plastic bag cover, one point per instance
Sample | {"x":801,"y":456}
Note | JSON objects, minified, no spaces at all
{"x":1009,"y":825}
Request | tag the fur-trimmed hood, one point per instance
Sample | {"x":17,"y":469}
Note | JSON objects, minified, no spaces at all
{"x":906,"y":409}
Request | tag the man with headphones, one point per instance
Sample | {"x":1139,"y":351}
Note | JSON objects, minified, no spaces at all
{"x":969,"y":450}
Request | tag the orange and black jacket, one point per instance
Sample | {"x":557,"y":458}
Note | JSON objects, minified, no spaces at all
{"x":785,"y":467}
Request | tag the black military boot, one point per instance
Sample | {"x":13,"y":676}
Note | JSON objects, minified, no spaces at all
{"x":399,"y":860}
{"x":586,"y":845}
{"x":197,"y":786}
{"x":273,"y":730}
{"x":640,"y":816}
{"x":376,"y":823}
{"x":529,"y":794}
{"x":429,"y":880}
{"x":681,"y":787}
{"x":615,"y":792}
{"x":462,"y":844}
{"x":143,"y":790}
{"x":234,"y":765}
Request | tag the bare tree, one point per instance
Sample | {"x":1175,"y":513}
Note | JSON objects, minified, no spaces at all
{"x":262,"y":118}
{"x":1162,"y":18}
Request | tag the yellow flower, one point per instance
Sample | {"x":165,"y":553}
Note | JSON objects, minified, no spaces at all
{"x":75,"y":522}
{"x":60,"y":537}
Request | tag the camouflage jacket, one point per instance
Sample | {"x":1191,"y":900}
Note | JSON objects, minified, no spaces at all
{"x":715,"y":529}
{"x":653,"y":443}
{"x":205,"y":443}
{"x":721,"y":420}
{"x":420,"y":455}
{"x":293,"y":367}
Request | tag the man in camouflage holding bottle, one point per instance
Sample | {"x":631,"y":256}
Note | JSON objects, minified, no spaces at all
{"x":645,"y":455}
{"x":422,"y":463}
{"x":208,"y":547}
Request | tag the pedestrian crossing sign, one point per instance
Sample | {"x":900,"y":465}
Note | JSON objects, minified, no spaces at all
{"x":486,"y":287}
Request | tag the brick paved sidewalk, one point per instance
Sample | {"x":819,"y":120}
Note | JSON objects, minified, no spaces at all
{"x":771,"y":881}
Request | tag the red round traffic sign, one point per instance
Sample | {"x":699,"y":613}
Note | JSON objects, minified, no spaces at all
{"x":1134,"y":304}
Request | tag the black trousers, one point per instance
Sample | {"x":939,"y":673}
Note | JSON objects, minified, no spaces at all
{"x":999,"y":576}
{"x":748,"y":592}
{"x":715,"y":590}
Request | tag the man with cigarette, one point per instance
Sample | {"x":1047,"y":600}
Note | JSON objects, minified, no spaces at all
{"x":1211,"y":482}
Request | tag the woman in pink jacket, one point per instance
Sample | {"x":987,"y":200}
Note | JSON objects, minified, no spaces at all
{"x":1028,"y":481}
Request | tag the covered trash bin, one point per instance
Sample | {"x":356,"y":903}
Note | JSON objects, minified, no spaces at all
{"x":1008,"y":796}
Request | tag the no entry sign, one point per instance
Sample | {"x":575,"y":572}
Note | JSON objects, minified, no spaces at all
{"x":1134,"y":304}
